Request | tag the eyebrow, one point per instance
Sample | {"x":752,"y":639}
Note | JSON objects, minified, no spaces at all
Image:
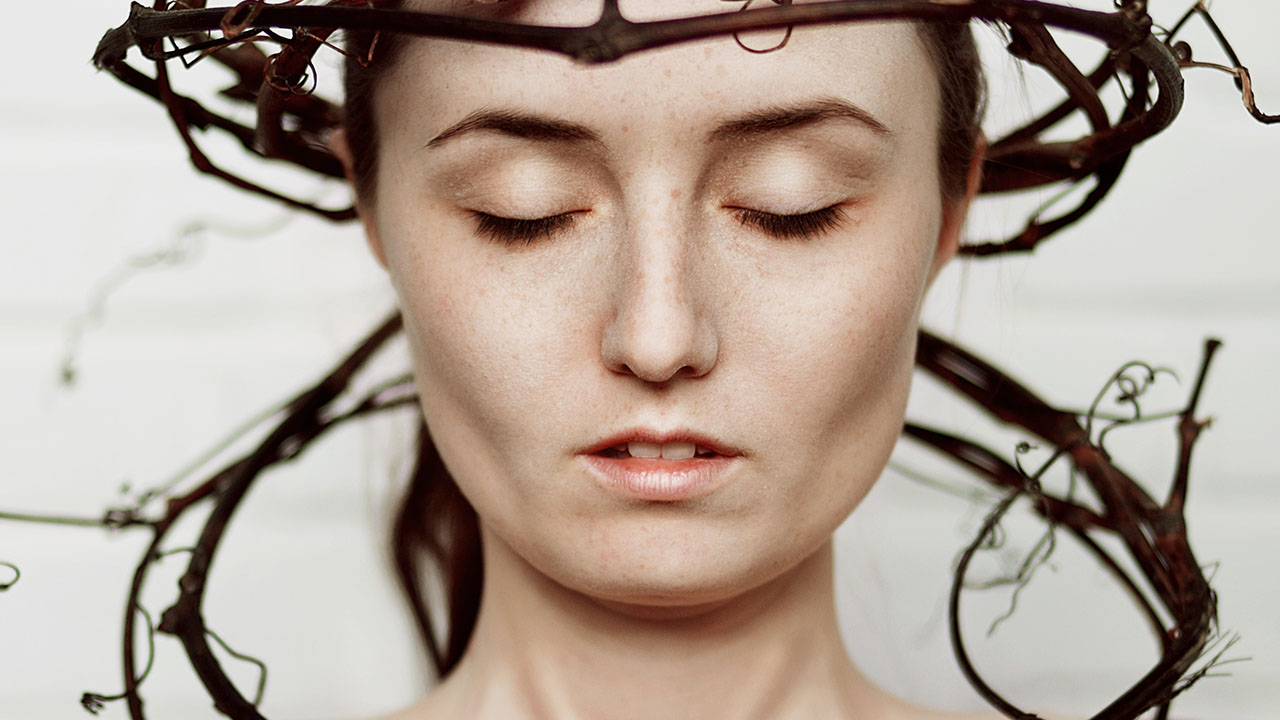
{"x":521,"y":125}
{"x":541,"y":128}
{"x":770,"y":120}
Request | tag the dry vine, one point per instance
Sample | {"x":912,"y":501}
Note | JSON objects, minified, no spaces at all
{"x":302,"y":420}
{"x":1154,"y":533}
{"x":187,"y":243}
{"x":292,"y":122}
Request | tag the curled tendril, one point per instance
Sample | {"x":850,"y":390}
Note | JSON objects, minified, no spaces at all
{"x":17,"y":575}
{"x":262,"y":667}
{"x":183,"y":248}
{"x":95,"y":702}
{"x":304,"y":83}
{"x":996,"y":539}
{"x":239,"y":18}
{"x":1155,"y":533}
{"x":786,"y":37}
{"x":1132,"y":380}
{"x":1039,"y":554}
{"x":1244,"y":81}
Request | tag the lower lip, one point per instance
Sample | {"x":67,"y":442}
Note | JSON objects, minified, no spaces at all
{"x":659,"y":480}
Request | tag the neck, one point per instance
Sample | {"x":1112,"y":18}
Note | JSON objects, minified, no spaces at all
{"x":541,"y":650}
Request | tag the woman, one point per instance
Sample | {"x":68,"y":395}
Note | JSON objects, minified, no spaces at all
{"x":720,"y":251}
{"x":663,"y":316}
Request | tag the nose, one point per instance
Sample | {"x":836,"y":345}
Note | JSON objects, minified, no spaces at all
{"x":662,"y":325}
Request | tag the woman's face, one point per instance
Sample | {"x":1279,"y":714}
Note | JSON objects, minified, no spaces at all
{"x":700,"y":248}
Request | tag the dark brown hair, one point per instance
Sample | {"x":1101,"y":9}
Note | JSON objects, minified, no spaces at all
{"x":434,"y":523}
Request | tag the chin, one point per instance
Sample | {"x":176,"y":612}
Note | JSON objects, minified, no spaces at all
{"x":669,"y":567}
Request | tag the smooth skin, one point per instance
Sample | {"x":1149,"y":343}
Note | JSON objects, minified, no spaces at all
{"x":656,"y":275}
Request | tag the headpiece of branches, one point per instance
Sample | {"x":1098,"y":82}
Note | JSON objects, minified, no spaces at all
{"x":291,"y":125}
{"x":292,"y":121}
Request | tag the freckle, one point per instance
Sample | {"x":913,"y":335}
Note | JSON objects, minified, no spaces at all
{"x":626,"y":128}
{"x":676,"y":193}
{"x":667,"y":72}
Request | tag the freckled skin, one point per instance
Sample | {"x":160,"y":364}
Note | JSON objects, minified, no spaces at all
{"x":659,"y":307}
{"x":813,"y":339}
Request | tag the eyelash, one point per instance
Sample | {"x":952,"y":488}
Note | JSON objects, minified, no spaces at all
{"x":520,"y":231}
{"x":525,"y":231}
{"x":800,"y":226}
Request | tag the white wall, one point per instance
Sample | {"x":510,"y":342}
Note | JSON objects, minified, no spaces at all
{"x":93,"y":176}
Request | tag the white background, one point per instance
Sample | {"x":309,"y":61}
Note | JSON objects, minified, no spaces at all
{"x":94,"y":177}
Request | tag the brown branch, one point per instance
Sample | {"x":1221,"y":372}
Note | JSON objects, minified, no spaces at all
{"x":971,"y":673}
{"x":1244,"y":81}
{"x":291,"y":124}
{"x":1025,"y":163}
{"x":305,"y":418}
{"x":1154,"y":534}
{"x":1189,"y":431}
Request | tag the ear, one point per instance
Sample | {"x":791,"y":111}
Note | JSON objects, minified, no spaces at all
{"x":340,"y":147}
{"x":955,"y":211}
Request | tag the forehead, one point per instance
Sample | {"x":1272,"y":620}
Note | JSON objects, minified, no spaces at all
{"x":882,"y":67}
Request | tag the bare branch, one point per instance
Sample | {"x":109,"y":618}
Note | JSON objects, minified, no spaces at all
{"x":1154,"y":534}
{"x":1022,"y":160}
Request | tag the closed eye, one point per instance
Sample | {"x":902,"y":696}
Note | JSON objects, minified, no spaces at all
{"x":525,"y":231}
{"x":520,"y":231}
{"x":790,"y":227}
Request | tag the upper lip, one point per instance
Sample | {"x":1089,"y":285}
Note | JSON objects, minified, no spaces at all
{"x":661,"y":437}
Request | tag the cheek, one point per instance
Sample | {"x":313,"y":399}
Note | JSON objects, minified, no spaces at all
{"x":471,"y":349}
{"x":490,"y":349}
{"x":838,"y":360}
{"x":851,"y":317}
{"x":471,"y":364}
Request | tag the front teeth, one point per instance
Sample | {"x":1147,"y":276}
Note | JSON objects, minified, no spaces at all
{"x":644,"y":450}
{"x":677,"y":451}
{"x":666,"y":451}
